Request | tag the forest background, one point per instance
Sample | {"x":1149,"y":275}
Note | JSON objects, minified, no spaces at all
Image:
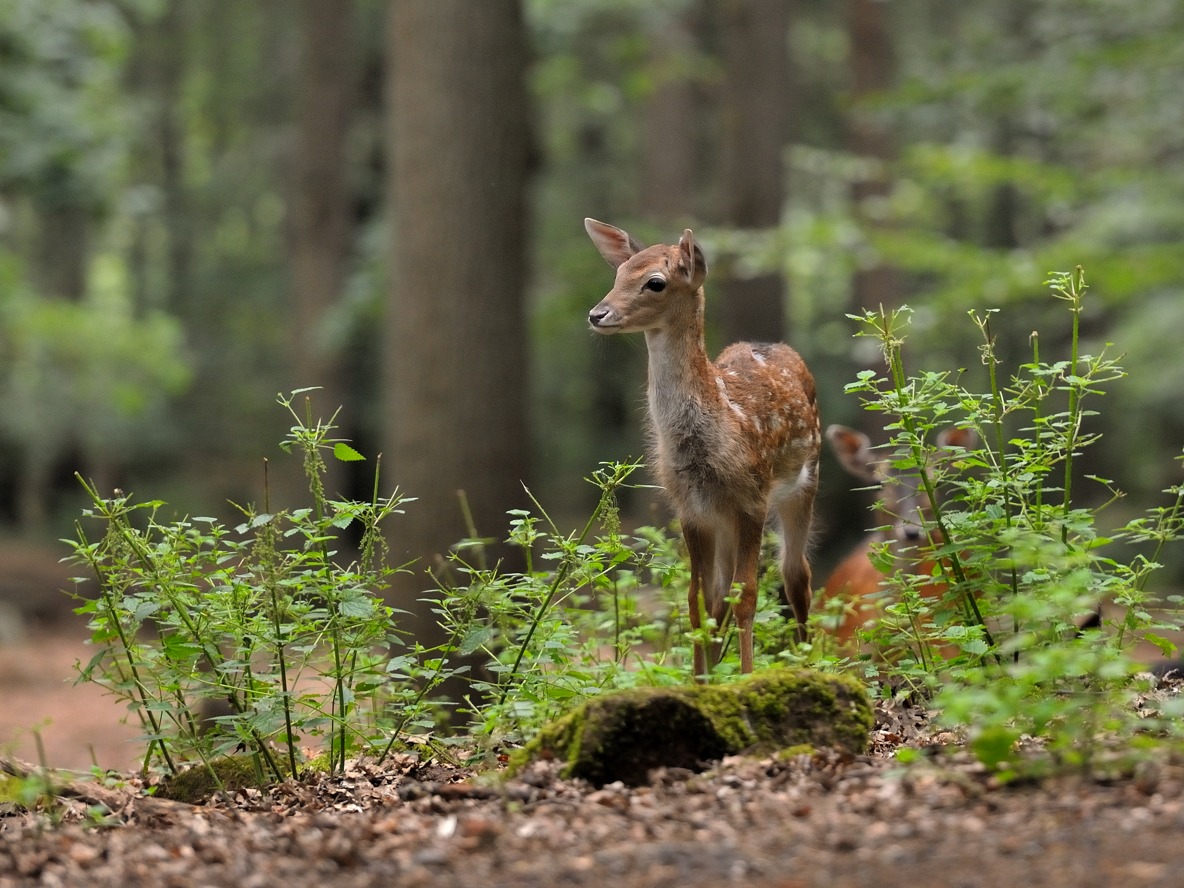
{"x":203,"y":204}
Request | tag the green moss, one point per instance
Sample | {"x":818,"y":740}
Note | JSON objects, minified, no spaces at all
{"x":623,"y":736}
{"x":230,"y":774}
{"x":319,"y":764}
{"x":12,"y":790}
{"x":792,"y":752}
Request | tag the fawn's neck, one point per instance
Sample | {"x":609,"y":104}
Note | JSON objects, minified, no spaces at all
{"x":680,"y":373}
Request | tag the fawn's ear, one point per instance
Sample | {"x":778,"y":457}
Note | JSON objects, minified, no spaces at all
{"x":853,"y":450}
{"x":965,"y":439}
{"x":691,"y":264}
{"x":615,"y":245}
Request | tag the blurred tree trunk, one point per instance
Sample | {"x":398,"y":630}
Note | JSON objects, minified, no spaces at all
{"x":873,"y":68}
{"x":1005,"y":206}
{"x":455,"y":334}
{"x":669,"y":117}
{"x":63,"y":211}
{"x":169,"y":64}
{"x":321,"y":222}
{"x":64,"y":206}
{"x":755,"y":101}
{"x":63,"y":243}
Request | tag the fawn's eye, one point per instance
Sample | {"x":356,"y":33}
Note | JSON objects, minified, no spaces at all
{"x":656,"y":284}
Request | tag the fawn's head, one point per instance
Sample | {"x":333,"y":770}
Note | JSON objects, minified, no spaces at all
{"x":653,"y":284}
{"x":900,"y":494}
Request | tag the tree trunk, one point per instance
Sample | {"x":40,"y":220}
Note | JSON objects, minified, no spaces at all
{"x":670,"y":118}
{"x":168,"y":66}
{"x":321,"y":224}
{"x":63,"y":248}
{"x":455,"y":333}
{"x":755,"y":100}
{"x":872,"y":70}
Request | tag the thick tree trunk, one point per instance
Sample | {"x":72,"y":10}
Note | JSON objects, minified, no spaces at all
{"x":456,"y":332}
{"x":63,"y":248}
{"x":755,"y":103}
{"x":321,"y":224}
{"x":670,"y":121}
{"x":872,"y":69}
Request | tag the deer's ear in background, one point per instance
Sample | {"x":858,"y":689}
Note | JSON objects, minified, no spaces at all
{"x":853,"y":450}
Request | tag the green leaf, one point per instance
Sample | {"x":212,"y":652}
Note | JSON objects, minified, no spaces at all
{"x":357,"y":605}
{"x":907,"y":754}
{"x":1166,"y":647}
{"x":345,"y":453}
{"x":993,"y":745}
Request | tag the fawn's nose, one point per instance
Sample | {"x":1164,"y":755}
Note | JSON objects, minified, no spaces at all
{"x":599,"y":316}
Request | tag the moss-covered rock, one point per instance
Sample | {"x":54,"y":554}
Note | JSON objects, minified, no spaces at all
{"x":623,"y":736}
{"x":230,"y":773}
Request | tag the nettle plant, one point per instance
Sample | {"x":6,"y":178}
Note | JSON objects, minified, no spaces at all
{"x":256,"y":637}
{"x":593,"y":610}
{"x":1021,"y":561}
{"x":268,"y":633}
{"x":268,"y":637}
{"x":572,"y":623}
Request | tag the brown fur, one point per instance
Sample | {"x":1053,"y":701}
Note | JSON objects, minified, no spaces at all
{"x":730,"y":441}
{"x":856,"y":580}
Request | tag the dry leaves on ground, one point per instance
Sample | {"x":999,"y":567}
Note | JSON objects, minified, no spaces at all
{"x":825,"y":820}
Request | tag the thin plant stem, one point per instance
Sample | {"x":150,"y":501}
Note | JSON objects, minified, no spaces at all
{"x":998,"y":410}
{"x":1072,"y":288}
{"x":608,"y":487}
{"x":106,"y":590}
{"x":272,"y":585}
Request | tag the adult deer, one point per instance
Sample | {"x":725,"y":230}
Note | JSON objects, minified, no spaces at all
{"x":730,"y":441}
{"x":856,"y":578}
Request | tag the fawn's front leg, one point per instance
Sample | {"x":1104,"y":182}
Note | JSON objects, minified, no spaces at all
{"x":748,"y":555}
{"x":701,"y":553}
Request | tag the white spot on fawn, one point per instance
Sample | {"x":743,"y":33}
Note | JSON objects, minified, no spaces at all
{"x":732,"y":405}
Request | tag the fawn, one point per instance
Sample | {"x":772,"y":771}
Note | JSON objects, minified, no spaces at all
{"x":730,"y":441}
{"x":856,"y":578}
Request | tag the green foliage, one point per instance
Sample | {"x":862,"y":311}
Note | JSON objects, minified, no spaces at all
{"x":259,"y":637}
{"x":63,"y":125}
{"x":567,"y":626}
{"x":268,"y":621}
{"x":594,"y":610}
{"x":253,"y":637}
{"x":95,"y":372}
{"x":1016,"y":546}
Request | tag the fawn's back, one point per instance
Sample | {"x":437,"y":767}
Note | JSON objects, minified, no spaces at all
{"x":749,"y":429}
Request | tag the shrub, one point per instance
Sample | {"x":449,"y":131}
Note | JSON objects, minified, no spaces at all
{"x":1021,"y":559}
{"x":250,"y":637}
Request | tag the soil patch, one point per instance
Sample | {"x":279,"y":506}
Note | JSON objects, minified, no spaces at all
{"x":820,"y":820}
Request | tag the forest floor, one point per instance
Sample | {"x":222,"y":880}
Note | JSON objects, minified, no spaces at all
{"x":813,"y":821}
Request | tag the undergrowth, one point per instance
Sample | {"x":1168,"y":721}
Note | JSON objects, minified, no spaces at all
{"x":256,"y":637}
{"x":275,"y":633}
{"x":1016,"y":535}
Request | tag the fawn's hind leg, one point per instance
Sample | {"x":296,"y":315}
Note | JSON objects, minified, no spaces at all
{"x":795,"y":510}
